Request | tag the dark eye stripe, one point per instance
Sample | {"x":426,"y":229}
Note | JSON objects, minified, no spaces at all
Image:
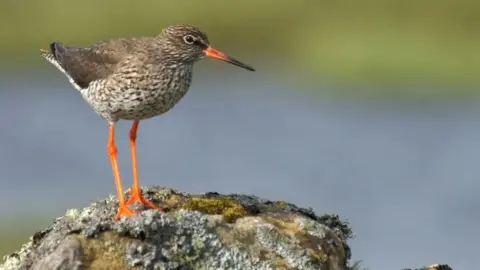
{"x":201,"y":43}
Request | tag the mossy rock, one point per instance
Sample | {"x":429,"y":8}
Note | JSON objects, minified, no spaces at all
{"x":228,"y":208}
{"x":206,"y":231}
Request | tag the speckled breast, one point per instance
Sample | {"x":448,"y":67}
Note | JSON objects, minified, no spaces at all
{"x":138,"y":98}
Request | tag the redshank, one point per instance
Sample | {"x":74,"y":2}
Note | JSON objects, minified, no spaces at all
{"x":134,"y":78}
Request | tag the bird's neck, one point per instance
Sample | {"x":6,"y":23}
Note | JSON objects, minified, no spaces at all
{"x":177,"y":69}
{"x":170,"y":64}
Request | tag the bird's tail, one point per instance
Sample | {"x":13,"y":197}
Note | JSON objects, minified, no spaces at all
{"x":56,"y":56}
{"x":55,"y":48}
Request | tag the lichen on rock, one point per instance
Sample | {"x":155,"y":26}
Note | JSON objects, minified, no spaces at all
{"x":434,"y":267}
{"x":208,"y":231}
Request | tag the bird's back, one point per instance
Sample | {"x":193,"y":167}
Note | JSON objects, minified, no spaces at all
{"x":84,"y":65}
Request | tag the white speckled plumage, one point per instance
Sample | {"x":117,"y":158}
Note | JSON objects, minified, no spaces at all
{"x":134,"y":79}
{"x":146,"y":78}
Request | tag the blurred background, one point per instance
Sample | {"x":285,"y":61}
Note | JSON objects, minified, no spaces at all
{"x":368,"y":109}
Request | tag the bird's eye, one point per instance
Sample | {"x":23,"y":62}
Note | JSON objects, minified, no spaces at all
{"x":189,"y":39}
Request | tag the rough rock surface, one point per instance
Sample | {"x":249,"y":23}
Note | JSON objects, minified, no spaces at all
{"x":434,"y":267}
{"x":208,"y":231}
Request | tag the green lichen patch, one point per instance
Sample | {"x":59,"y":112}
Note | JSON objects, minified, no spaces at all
{"x":228,"y":208}
{"x":171,"y":200}
{"x":107,"y":251}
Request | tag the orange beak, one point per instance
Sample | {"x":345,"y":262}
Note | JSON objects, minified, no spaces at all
{"x":211,"y":52}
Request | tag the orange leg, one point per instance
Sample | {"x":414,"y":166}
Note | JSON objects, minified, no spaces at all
{"x":136,"y":193}
{"x":123,"y":210}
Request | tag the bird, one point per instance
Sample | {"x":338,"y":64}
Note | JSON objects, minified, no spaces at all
{"x":134,"y":78}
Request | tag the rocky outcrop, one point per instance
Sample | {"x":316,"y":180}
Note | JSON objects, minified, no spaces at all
{"x":433,"y":267}
{"x":208,"y":231}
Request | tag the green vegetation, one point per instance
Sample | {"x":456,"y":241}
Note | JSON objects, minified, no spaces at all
{"x":350,"y":42}
{"x":228,"y":208}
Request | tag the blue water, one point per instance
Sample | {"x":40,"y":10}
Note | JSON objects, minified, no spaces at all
{"x":406,"y":174}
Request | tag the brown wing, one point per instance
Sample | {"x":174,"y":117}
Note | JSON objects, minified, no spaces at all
{"x":87,"y":64}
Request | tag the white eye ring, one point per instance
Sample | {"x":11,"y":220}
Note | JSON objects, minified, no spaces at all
{"x":189,"y":39}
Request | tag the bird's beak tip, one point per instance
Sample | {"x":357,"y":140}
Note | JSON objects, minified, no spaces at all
{"x":214,"y":53}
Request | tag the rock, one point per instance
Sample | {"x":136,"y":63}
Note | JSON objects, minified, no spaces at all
{"x":434,"y":267}
{"x":209,"y":231}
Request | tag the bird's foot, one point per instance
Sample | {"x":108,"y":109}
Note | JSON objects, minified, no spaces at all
{"x":136,"y":196}
{"x":124,"y":211}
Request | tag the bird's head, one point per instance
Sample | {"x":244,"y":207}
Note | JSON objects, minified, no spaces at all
{"x":189,"y":44}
